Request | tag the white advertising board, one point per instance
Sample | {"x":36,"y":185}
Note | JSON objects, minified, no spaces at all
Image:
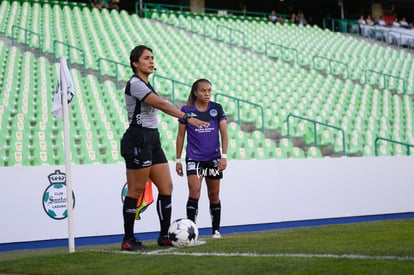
{"x":252,"y":192}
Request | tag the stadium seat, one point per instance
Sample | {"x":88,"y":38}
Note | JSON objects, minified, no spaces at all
{"x":297,"y":153}
{"x":280,"y":153}
{"x":286,"y":144}
{"x":313,"y":152}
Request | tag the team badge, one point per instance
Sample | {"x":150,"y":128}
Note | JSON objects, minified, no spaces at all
{"x":55,"y":198}
{"x":213,"y":112}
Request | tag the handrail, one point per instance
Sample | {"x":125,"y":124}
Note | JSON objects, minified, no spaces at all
{"x":55,"y":42}
{"x":173,"y":82}
{"x":374,"y":32}
{"x":26,"y":32}
{"x":385,"y":79}
{"x":408,"y":145}
{"x":238,"y":100}
{"x":232,"y":30}
{"x":281,"y":47}
{"x":315,"y":136}
{"x":181,"y":8}
{"x":116,"y":69}
{"x":330,"y":61}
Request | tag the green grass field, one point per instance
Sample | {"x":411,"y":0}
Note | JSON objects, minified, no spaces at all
{"x":381,"y":247}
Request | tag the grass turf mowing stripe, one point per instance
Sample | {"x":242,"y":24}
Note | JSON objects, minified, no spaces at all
{"x":172,"y":251}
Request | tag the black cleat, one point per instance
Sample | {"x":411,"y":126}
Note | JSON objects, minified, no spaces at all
{"x":164,"y":241}
{"x":132,"y":244}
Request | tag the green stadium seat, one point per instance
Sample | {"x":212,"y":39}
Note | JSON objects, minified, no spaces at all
{"x":384,"y":150}
{"x":313,"y":152}
{"x":280,"y":153}
{"x":286,"y":144}
{"x":297,"y":152}
{"x":242,"y":154}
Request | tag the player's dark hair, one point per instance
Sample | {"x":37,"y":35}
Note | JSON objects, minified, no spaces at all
{"x":192,"y":97}
{"x":136,"y":54}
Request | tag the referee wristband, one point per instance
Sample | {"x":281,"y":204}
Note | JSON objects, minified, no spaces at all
{"x":224,"y":156}
{"x":178,"y":161}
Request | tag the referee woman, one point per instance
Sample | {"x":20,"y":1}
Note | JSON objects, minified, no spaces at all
{"x":141,"y":147}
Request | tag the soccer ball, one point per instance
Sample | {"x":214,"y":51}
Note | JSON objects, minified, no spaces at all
{"x":183,"y":232}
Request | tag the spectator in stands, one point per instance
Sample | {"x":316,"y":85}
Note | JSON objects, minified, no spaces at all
{"x":141,"y":147}
{"x":381,"y":21}
{"x":300,"y":19}
{"x":96,"y":4}
{"x":108,"y":4}
{"x":292,"y":19}
{"x":396,"y":23}
{"x":203,"y":157}
{"x":273,"y":17}
{"x":403,"y":22}
{"x":361,"y":20}
{"x":112,"y":4}
{"x":370,"y":22}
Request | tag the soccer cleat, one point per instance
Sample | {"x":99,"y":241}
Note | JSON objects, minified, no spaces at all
{"x":216,"y":235}
{"x":164,"y":241}
{"x":132,"y":244}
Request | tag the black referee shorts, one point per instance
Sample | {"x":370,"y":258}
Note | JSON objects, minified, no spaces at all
{"x":141,"y":147}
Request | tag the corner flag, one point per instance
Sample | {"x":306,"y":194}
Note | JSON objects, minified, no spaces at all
{"x":60,"y":109}
{"x":64,"y":84}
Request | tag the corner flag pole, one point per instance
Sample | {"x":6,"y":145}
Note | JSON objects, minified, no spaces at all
{"x":65,"y":78}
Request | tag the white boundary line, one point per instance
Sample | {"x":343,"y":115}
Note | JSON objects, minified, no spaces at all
{"x":172,"y":251}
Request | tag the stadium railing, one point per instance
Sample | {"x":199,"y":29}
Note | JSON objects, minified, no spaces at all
{"x":386,"y":79}
{"x":148,"y":8}
{"x":315,"y":134}
{"x":331,"y":70}
{"x":27,"y":39}
{"x":379,"y":139}
{"x":116,"y":65}
{"x":240,"y":114}
{"x":69,"y":49}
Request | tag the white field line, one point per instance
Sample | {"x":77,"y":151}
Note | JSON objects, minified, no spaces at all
{"x":173,"y":251}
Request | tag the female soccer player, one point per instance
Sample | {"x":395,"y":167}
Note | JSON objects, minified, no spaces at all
{"x":203,"y":156}
{"x":141,"y":147}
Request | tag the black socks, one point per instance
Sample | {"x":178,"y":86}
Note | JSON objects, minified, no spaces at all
{"x":164,"y":213}
{"x":128,"y":211}
{"x":215,"y":212}
{"x":192,"y":209}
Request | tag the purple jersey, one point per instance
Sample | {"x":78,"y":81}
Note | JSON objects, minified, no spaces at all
{"x":203,"y":144}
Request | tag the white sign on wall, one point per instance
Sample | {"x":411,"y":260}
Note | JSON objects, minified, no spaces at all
{"x":252,"y":192}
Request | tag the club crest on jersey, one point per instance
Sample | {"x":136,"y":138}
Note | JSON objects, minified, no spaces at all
{"x":213,"y":112}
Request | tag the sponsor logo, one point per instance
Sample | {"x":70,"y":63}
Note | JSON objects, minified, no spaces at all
{"x":203,"y":172}
{"x":138,"y":118}
{"x":55,"y":197}
{"x":191,"y":166}
{"x":146,"y":163}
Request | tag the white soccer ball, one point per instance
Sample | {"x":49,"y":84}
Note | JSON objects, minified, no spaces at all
{"x":183,"y":232}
